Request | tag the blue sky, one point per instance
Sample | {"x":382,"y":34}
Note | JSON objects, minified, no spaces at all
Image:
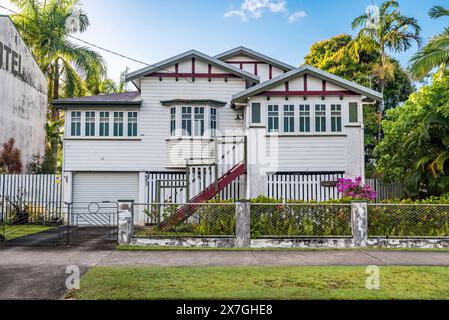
{"x":153,"y":30}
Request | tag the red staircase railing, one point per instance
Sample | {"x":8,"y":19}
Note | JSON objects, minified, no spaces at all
{"x":209,"y":193}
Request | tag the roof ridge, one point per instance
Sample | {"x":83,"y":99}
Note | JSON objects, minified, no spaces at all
{"x":275,"y":62}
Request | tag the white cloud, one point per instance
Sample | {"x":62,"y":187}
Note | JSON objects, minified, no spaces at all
{"x":256,"y":8}
{"x":236,"y":13}
{"x":296,"y":16}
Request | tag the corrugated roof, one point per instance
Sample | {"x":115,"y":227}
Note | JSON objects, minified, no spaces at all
{"x":192,"y":53}
{"x":114,"y":97}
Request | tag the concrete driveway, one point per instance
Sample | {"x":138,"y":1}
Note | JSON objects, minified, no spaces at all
{"x":40,"y":273}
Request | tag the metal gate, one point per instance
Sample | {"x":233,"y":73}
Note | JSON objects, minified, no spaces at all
{"x":92,"y":223}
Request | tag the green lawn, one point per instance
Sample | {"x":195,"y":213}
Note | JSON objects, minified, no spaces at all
{"x":13,"y":232}
{"x":275,"y":283}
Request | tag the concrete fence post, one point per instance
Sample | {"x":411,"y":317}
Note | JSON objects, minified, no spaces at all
{"x":360,"y":223}
{"x":243,"y":224}
{"x":125,"y":222}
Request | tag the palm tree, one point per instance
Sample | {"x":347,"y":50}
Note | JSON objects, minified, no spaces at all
{"x":110,"y":86}
{"x":385,"y":30}
{"x":71,"y":69}
{"x":435,"y":54}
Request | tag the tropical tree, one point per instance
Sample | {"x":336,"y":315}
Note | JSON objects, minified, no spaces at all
{"x":335,"y":55}
{"x":416,"y":141}
{"x":385,"y":29}
{"x":435,"y":54}
{"x":71,"y":69}
{"x":110,"y":86}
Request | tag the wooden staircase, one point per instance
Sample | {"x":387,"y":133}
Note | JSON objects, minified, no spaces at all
{"x":207,"y":194}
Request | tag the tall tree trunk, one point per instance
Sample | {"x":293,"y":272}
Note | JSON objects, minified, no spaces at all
{"x":54,"y":144}
{"x":383,"y":59}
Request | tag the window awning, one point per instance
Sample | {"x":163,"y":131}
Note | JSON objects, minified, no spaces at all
{"x":191,"y":102}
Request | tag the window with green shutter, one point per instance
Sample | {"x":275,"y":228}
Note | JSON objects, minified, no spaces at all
{"x":353,"y":112}
{"x":255,"y":113}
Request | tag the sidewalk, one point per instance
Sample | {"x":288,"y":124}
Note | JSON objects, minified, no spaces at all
{"x":276,"y":258}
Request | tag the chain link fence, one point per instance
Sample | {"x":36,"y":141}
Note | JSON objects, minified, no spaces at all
{"x":276,"y":220}
{"x":298,"y":220}
{"x":210,"y":219}
{"x":403,"y":220}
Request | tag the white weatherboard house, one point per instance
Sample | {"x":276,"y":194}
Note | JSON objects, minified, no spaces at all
{"x":236,"y":125}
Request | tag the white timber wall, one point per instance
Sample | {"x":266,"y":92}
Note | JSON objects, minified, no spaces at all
{"x":308,"y":152}
{"x":263,"y":69}
{"x":153,"y":148}
{"x":311,"y":152}
{"x":23,"y":94}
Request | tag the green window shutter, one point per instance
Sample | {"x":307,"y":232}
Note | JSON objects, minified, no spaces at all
{"x":353,"y":112}
{"x":255,"y":113}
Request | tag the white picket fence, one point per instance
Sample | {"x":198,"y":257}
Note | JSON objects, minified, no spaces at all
{"x":303,"y":186}
{"x":40,"y":193}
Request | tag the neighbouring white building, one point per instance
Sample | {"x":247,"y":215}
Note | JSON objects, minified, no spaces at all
{"x":23,"y":94}
{"x":237,"y":125}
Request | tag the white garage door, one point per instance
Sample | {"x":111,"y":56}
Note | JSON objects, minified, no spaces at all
{"x":100,"y":187}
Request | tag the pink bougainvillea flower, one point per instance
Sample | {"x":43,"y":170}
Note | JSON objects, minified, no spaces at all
{"x":355,"y":189}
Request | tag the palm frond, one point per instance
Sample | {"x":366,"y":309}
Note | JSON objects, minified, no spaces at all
{"x":438,"y":12}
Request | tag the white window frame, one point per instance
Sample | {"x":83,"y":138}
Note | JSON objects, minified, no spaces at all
{"x":213,"y":121}
{"x":269,"y":116}
{"x":80,"y":122}
{"x":100,"y":123}
{"x":199,"y":119}
{"x":326,"y":117}
{"x":292,"y":119}
{"x":187,"y":119}
{"x":180,"y":133}
{"x":123,"y":122}
{"x":94,"y":113}
{"x":173,"y":121}
{"x":311,"y":117}
{"x":336,"y":114}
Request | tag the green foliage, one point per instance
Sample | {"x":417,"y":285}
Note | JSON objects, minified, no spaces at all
{"x":416,"y":142}
{"x":109,"y":86}
{"x":336,"y":55}
{"x":300,"y":219}
{"x":408,"y":221}
{"x":435,"y":54}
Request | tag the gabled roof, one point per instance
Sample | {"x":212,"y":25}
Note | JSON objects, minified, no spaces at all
{"x":307,"y":69}
{"x":191,"y":54}
{"x":256,"y":55}
{"x":115,"y":99}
